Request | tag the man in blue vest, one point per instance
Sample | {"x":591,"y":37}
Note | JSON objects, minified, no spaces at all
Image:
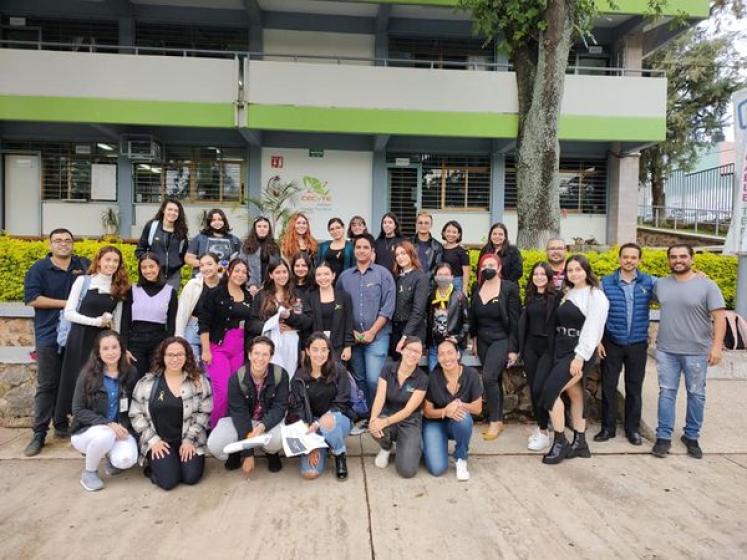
{"x":625,"y":342}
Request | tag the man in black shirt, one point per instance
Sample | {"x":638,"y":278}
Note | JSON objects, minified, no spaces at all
{"x":429,"y":250}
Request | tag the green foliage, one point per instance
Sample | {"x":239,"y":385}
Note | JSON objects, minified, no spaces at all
{"x":721,"y":269}
{"x":277,"y":201}
{"x":19,"y":255}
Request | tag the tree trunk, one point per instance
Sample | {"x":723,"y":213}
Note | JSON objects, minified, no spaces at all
{"x":538,"y":148}
{"x":655,"y":172}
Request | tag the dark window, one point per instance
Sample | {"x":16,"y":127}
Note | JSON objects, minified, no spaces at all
{"x":449,"y":54}
{"x":191,"y":37}
{"x":582,"y":186}
{"x":71,"y":32}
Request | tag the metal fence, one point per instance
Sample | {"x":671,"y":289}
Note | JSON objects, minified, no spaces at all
{"x":700,"y":201}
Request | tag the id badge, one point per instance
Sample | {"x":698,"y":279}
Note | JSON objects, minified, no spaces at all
{"x":123,"y":404}
{"x":328,"y":334}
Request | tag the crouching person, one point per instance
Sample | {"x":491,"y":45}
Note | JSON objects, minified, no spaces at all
{"x":396,"y":415}
{"x":100,"y":425}
{"x":170,"y":410}
{"x":257,"y":402}
{"x":454,"y":394}
{"x":320,"y":396}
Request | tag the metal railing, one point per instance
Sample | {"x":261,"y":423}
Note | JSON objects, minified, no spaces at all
{"x":377,"y":61}
{"x":691,"y":220}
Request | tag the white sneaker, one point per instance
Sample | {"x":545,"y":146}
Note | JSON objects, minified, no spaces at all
{"x":533,"y":437}
{"x":382,"y":459}
{"x":461,"y":470}
{"x":538,"y":441}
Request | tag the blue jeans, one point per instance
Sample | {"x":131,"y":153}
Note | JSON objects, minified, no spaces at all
{"x":669,"y":366}
{"x":335,"y":438}
{"x":367,"y":362}
{"x":432,"y":358}
{"x":458,"y":283}
{"x":436,"y":436}
{"x":192,"y":336}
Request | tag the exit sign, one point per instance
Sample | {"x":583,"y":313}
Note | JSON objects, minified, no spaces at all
{"x":316,"y":153}
{"x":276,"y":162}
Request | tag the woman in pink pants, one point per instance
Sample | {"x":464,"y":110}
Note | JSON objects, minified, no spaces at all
{"x":221,"y":325}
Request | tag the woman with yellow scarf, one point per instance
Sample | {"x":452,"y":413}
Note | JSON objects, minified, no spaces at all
{"x":448,"y":313}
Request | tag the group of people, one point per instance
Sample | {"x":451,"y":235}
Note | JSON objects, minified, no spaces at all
{"x":354,"y":333}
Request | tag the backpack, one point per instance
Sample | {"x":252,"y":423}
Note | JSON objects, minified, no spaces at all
{"x":63,"y":327}
{"x":736,"y":331}
{"x":152,"y":235}
{"x":277,"y":375}
{"x":357,"y":399}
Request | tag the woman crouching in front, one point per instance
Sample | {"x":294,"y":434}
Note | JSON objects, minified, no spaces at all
{"x":170,"y":410}
{"x":396,"y":416}
{"x":454,"y":394}
{"x":320,"y":396}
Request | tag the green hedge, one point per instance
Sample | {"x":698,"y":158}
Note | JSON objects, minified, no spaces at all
{"x":16,"y":256}
{"x":721,"y":269}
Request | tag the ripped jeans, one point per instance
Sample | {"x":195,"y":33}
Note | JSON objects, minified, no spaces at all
{"x":669,"y":367}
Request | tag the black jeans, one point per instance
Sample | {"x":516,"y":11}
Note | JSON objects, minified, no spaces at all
{"x":48,"y":371}
{"x":167,"y":472}
{"x":633,"y":357}
{"x":408,"y":435}
{"x":493,"y":357}
{"x":537,"y":363}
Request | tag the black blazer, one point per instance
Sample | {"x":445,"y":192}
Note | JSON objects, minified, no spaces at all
{"x":523,"y":330}
{"x":512,"y":263}
{"x":342,"y":323}
{"x":509,"y":304}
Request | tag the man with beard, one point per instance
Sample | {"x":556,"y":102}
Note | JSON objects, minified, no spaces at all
{"x":556,"y":253}
{"x":690,"y":338}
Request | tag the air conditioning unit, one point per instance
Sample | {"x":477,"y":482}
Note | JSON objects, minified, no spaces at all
{"x":140,"y":147}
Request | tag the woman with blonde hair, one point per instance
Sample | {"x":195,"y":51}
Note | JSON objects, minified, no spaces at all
{"x":297,"y":237}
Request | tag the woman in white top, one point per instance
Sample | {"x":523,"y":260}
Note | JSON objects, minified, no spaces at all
{"x":193,"y":294}
{"x":90,"y":311}
{"x":579,"y":328}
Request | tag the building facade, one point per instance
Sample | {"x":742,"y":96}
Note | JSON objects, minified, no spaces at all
{"x":366,"y":106}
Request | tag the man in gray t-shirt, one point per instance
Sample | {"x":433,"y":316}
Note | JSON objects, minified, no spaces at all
{"x":691,"y":335}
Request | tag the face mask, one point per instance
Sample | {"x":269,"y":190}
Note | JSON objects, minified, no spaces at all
{"x":489,"y":273}
{"x":443,"y":281}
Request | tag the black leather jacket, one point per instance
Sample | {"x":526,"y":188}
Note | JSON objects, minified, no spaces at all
{"x":457,"y":318}
{"x":411,"y":303}
{"x":435,"y":254}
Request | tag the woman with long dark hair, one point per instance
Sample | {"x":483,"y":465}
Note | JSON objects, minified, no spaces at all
{"x":303,"y":274}
{"x":356,"y":226}
{"x":448,"y":313}
{"x":148,"y":314}
{"x":278,"y":295}
{"x":94,"y":304}
{"x":297,"y":237}
{"x":331,"y":311}
{"x":536,"y":332}
{"x":167,"y":236}
{"x":498,"y":244}
{"x":170,"y":411}
{"x":456,"y":255}
{"x":192,"y":297}
{"x":494,"y":318}
{"x":221,"y":318}
{"x":411,"y":302}
{"x":101,"y":426}
{"x":338,"y":251}
{"x":320,"y":396}
{"x":579,"y":327}
{"x":258,"y":248}
{"x":389,"y":237}
{"x":216,"y":238}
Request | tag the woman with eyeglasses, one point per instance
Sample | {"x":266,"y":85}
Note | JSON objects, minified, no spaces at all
{"x":170,"y":411}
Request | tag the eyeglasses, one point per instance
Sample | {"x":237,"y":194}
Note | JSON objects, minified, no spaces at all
{"x":62,"y":241}
{"x":423,"y":223}
{"x":319,"y":350}
{"x":172,"y":355}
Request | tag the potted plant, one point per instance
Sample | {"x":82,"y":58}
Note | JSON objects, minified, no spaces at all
{"x":277,"y":200}
{"x":110,"y":221}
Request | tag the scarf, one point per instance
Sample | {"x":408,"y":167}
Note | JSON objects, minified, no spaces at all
{"x":442,"y":301}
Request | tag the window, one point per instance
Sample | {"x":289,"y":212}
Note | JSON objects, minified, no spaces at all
{"x":192,"y":174}
{"x":83,"y":33}
{"x":463,"y":54}
{"x":67,"y":167}
{"x":582,"y":186}
{"x":451,"y":182}
{"x":191,"y":37}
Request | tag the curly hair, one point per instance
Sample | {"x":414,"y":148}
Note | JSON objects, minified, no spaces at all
{"x":289,"y":243}
{"x":92,"y":375}
{"x":120,"y":280}
{"x":158,"y":365}
{"x":180,"y":226}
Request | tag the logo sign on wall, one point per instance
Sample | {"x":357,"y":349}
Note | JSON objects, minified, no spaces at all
{"x":276,"y":162}
{"x":315,"y":194}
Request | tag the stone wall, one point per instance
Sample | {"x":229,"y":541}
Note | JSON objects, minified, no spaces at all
{"x":16,"y":331}
{"x":651,"y":238}
{"x":17,"y":387}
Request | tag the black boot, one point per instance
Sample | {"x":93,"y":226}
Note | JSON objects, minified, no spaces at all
{"x":558,"y":451}
{"x":273,"y":462}
{"x":341,"y":466}
{"x":35,"y":446}
{"x":579,"y":447}
{"x":233,"y":462}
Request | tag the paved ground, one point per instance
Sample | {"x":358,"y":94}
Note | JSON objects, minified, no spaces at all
{"x":621,"y":503}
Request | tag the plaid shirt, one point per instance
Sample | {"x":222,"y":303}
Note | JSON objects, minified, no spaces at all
{"x":197,"y":404}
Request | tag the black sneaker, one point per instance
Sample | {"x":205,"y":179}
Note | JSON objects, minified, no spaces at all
{"x":35,"y":445}
{"x":62,"y":432}
{"x":233,"y":462}
{"x":661,"y":448}
{"x":274,"y":464}
{"x":341,"y":466}
{"x":693,"y":448}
